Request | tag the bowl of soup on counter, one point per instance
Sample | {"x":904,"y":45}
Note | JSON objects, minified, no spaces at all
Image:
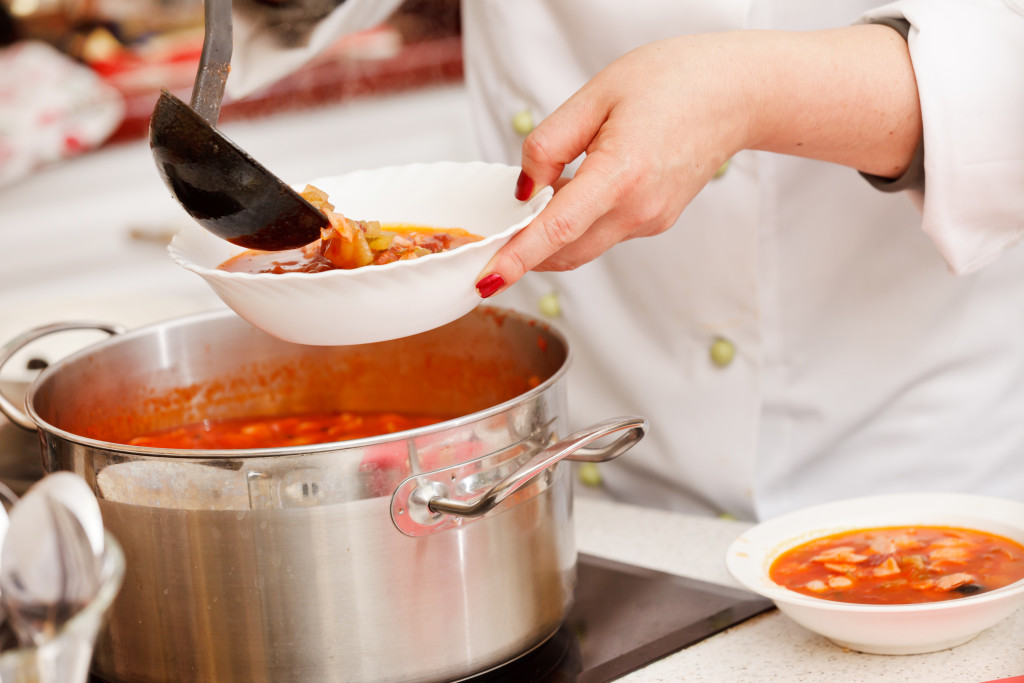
{"x":890,"y":574}
{"x":401,"y":256}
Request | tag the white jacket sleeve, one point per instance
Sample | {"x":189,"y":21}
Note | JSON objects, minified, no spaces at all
{"x":968,"y":57}
{"x":259,"y":56}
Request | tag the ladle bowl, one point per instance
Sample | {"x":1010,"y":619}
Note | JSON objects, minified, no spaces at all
{"x":223,"y":188}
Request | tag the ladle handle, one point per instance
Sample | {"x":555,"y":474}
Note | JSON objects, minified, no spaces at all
{"x":7,"y":351}
{"x":214,"y":62}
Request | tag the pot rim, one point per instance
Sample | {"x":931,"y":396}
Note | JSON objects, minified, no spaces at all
{"x":217,"y":454}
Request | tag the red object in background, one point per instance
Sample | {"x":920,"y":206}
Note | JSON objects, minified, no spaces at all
{"x":371,"y":62}
{"x":1012,"y":679}
{"x":120,"y":67}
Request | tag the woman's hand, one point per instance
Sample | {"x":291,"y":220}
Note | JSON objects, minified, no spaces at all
{"x":659,"y":122}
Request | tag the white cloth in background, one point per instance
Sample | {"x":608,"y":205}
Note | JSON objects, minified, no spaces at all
{"x":259,"y":58}
{"x":51,"y":108}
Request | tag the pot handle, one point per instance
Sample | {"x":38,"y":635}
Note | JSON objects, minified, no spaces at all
{"x":421,"y":506}
{"x":7,"y":351}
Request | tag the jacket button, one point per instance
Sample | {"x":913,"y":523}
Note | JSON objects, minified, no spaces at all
{"x":589,"y":474}
{"x":721,"y":170}
{"x":522,"y":122}
{"x":722,"y":352}
{"x":550,"y":306}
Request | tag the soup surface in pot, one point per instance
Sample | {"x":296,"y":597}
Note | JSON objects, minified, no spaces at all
{"x":219,"y":368}
{"x":273,"y":431}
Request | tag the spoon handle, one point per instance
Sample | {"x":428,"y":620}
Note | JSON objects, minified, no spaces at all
{"x":214,"y":62}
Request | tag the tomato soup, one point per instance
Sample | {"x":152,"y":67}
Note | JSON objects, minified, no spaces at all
{"x":900,"y":565}
{"x":348,"y":243}
{"x":276,"y":432}
{"x":395,"y":243}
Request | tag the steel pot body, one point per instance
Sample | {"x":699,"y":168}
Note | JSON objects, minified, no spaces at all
{"x":431,"y":554}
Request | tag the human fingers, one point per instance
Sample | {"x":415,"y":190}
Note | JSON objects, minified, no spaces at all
{"x":566,"y":220}
{"x":635,"y":213}
{"x":606,"y":232}
{"x":558,"y":140}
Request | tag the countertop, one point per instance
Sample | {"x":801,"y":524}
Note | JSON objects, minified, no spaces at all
{"x":769,"y":647}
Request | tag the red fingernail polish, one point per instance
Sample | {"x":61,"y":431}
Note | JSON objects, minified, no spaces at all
{"x":489,"y":285}
{"x":524,"y":187}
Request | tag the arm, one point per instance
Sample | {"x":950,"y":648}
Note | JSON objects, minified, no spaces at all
{"x":846,"y":95}
{"x":658,"y":122}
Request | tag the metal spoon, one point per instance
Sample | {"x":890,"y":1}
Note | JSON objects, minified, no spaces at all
{"x":50,"y":562}
{"x":7,"y":500}
{"x":224,"y":189}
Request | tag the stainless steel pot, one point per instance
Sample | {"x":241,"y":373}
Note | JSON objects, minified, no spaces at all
{"x":431,"y":554}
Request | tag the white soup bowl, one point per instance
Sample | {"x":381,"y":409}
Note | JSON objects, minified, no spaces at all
{"x":882,"y":629}
{"x":377,"y":303}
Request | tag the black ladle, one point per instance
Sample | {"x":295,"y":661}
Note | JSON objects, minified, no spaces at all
{"x":224,"y":189}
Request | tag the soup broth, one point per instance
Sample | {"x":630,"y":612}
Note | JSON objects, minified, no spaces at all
{"x":280,"y":431}
{"x":900,"y":565}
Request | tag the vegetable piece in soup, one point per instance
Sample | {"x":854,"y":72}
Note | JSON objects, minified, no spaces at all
{"x":900,"y":565}
{"x":347,"y":244}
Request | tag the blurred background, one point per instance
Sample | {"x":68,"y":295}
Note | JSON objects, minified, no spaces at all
{"x":84,"y":217}
{"x":140,"y":46}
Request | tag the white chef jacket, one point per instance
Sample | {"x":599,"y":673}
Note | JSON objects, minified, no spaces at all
{"x":878,"y":338}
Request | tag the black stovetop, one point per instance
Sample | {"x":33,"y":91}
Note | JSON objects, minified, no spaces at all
{"x":625,"y":617}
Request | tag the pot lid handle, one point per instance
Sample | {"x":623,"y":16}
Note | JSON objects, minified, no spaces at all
{"x":421,"y":506}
